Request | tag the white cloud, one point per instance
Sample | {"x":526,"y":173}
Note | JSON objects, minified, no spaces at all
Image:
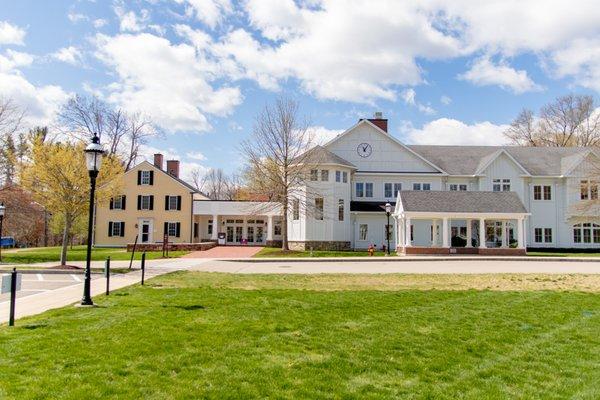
{"x":410,"y":97}
{"x":580,"y":59}
{"x":70,"y":55}
{"x":176,"y":87}
{"x":484,"y":72}
{"x":77,"y":17}
{"x":445,"y":100}
{"x":446,"y":131}
{"x":99,"y":23}
{"x":11,"y":60}
{"x":196,"y":156}
{"x":11,"y":34}
{"x":210,"y":12}
{"x":129,"y":21}
{"x":322,"y":135}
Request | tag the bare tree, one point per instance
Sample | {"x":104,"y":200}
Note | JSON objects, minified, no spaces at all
{"x":216,"y":184}
{"x":121,"y":133}
{"x":571,"y":120}
{"x":276,"y":156}
{"x":11,"y":116}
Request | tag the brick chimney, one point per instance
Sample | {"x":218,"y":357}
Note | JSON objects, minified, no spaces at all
{"x":173,"y":168}
{"x":379,"y":121}
{"x":158,"y":160}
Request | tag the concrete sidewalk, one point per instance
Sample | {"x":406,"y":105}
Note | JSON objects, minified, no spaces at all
{"x":64,"y":296}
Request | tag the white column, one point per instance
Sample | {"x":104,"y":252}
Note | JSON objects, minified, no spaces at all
{"x":407,"y":241}
{"x":270,"y":228}
{"x":469,"y":233}
{"x":396,"y":234}
{"x":504,"y":235}
{"x":481,"y":233}
{"x":445,"y":233}
{"x":215,"y":228}
{"x":520,"y":236}
{"x":434,"y":232}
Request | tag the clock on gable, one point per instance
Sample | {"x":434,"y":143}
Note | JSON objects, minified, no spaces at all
{"x":364,"y":149}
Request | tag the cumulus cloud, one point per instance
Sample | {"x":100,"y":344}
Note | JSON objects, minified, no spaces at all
{"x":446,"y":131}
{"x":445,"y":100}
{"x":484,"y":72}
{"x":70,"y":55}
{"x":410,"y":97}
{"x":580,"y":59}
{"x":196,"y":155}
{"x":177,"y":87}
{"x":323,"y":135}
{"x":99,"y":23}
{"x":210,"y":12}
{"x":11,"y":34}
{"x":129,"y":21}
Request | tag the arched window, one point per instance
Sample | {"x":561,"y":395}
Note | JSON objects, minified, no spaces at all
{"x":586,"y":232}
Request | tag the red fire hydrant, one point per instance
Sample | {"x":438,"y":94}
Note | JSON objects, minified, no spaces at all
{"x":371,"y":250}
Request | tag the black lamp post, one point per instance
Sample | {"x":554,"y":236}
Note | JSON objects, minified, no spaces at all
{"x":388,"y":211}
{"x":2,"y":211}
{"x":93,"y":160}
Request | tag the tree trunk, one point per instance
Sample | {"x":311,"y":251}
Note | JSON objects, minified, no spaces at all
{"x":284,"y":230}
{"x":65,"y":241}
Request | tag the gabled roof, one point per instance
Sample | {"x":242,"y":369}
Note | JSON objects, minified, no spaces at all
{"x":320,"y":155}
{"x":486,"y":161}
{"x":179,"y":180}
{"x":382,"y":132}
{"x":468,"y":160}
{"x":461,"y":202}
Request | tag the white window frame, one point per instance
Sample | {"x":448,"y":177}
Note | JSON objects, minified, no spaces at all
{"x":145,"y":197}
{"x":324,"y":175}
{"x":369,"y":185}
{"x":314,"y":175}
{"x":501,"y":185}
{"x":338,"y":176}
{"x":170,"y":204}
{"x":363,"y":232}
{"x":592,"y":230}
{"x":319,"y":208}
{"x":360,"y":193}
{"x":388,"y":190}
{"x":295,"y":209}
{"x":173,"y":226}
{"x":345,"y":176}
{"x":458,"y":187}
{"x":397,"y":188}
{"x":118,"y":203}
{"x":542,"y":192}
{"x":145,"y":178}
{"x":117,"y":228}
{"x":588,"y":189}
{"x":341,"y":210}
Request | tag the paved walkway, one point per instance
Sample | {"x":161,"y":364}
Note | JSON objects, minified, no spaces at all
{"x":225,"y":252}
{"x":71,"y":294}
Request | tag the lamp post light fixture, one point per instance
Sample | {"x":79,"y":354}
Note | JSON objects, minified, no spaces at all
{"x":388,"y":211}
{"x":93,"y":161}
{"x":2,"y":211}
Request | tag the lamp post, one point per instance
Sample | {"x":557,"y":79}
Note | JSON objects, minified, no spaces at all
{"x":388,"y":211}
{"x":2,"y":211}
{"x":93,"y":160}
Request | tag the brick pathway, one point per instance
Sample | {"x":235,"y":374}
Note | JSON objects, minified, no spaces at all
{"x":226,"y":252}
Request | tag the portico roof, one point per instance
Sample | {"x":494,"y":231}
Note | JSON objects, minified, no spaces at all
{"x":460,"y":202}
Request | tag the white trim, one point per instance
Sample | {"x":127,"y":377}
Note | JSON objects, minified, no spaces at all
{"x":495,"y":157}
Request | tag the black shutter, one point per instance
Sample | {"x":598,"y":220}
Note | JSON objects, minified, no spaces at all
{"x":178,"y":202}
{"x":139,"y":201}
{"x":166,"y":230}
{"x":123,"y":202}
{"x":178,"y":229}
{"x":151,"y":177}
{"x":152,"y":202}
{"x":139,"y":177}
{"x":111,"y":205}
{"x":122,"y":229}
{"x":166,"y":202}
{"x":110,"y":229}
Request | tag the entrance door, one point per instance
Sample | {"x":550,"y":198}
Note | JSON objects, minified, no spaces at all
{"x":145,"y":231}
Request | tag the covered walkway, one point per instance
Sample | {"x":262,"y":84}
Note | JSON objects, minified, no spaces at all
{"x":489,"y":223}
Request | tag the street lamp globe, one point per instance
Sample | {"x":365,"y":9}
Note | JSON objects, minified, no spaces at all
{"x":93,"y":155}
{"x":388,"y":208}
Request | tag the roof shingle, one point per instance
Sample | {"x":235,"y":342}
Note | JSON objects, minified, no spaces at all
{"x":461,"y":202}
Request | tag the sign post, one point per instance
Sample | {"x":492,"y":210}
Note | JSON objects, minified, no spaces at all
{"x":107,"y":274}
{"x":143,"y":266}
{"x":11,"y":283}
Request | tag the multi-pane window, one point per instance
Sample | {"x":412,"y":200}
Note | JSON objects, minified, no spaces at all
{"x":172,"y":228}
{"x":145,"y":177}
{"x":360,"y":189}
{"x":542,"y":235}
{"x":116,"y":229}
{"x":277,"y":228}
{"x":319,"y":208}
{"x":340,"y":209}
{"x":172,"y":202}
{"x":145,"y":202}
{"x":295,"y":209}
{"x":458,"y":187}
{"x":421,"y":186}
{"x":338,"y":176}
{"x":586,"y":233}
{"x":368,"y":190}
{"x":387,"y":190}
{"x":542,"y":192}
{"x":117,"y":203}
{"x":501,"y":185}
{"x":416,"y":186}
{"x":548,"y":235}
{"x":345,"y":177}
{"x":589,"y":190}
{"x":363,"y":231}
{"x":314,"y":174}
{"x":210,"y":227}
{"x":325,"y":175}
{"x":397,"y":188}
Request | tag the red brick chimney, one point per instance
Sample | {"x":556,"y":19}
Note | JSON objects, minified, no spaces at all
{"x":379,"y":121}
{"x":173,"y":168}
{"x":158,"y":160}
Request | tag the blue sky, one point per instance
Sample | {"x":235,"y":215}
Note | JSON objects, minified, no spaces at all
{"x":442,"y":72}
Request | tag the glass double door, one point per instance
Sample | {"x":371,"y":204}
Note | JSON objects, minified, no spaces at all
{"x":239,"y":232}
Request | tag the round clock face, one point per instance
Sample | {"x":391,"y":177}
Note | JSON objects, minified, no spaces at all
{"x":364,"y":149}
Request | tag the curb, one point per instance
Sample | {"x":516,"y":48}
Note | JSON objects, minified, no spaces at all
{"x":401,"y":259}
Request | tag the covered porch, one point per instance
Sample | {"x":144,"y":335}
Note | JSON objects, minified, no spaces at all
{"x":487,"y":223}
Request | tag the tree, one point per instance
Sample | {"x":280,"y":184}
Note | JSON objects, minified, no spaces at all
{"x":216,"y":184}
{"x":276,"y":153}
{"x":58,"y":179}
{"x":122,"y":133}
{"x":24,"y":219}
{"x":571,"y":120}
{"x":11,"y":116}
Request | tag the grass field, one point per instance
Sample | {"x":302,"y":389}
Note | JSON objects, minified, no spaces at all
{"x":77,"y":253}
{"x":202,"y":335}
{"x":561,"y":254}
{"x":277,"y":252}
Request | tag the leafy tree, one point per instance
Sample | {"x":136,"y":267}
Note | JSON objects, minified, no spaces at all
{"x":57,"y":176}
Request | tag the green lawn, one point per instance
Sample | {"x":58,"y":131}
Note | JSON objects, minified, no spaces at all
{"x":277,"y":252}
{"x":202,"y":335}
{"x":77,"y":253}
{"x":558,"y":254}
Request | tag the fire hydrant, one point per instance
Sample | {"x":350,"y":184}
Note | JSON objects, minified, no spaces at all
{"x":371,"y":250}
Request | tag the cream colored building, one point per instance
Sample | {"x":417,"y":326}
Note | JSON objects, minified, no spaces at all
{"x":154,"y":202}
